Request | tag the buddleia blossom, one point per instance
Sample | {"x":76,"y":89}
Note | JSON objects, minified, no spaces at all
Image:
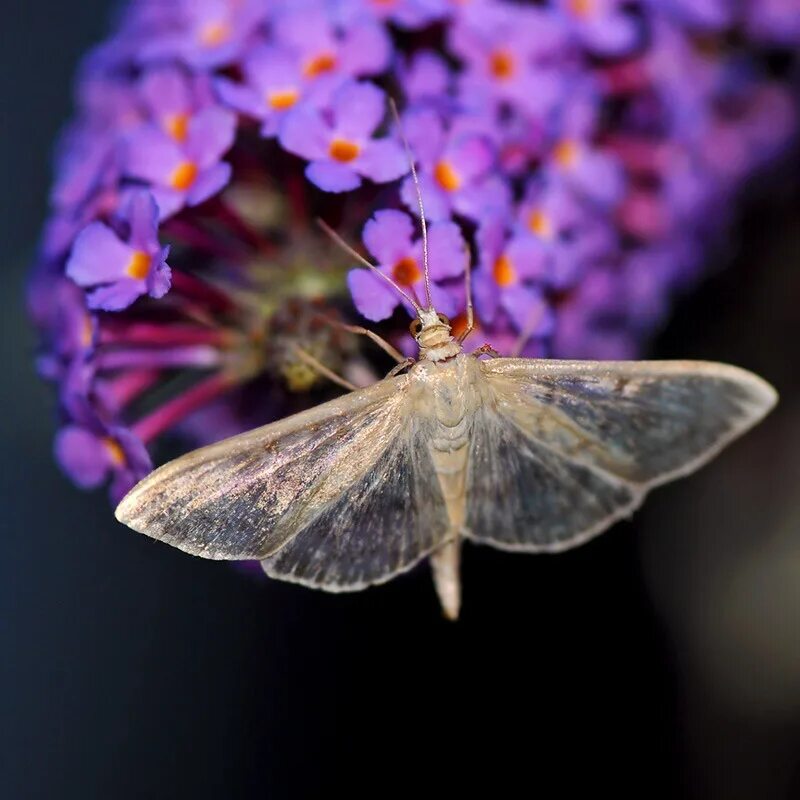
{"x":576,"y":155}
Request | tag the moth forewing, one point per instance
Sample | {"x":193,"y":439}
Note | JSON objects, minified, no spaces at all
{"x":245,"y":496}
{"x":591,"y":438}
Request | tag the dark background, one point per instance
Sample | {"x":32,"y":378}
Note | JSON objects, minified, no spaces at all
{"x":661,"y":660}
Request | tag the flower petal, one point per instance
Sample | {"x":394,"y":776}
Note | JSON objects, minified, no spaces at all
{"x":388,"y":235}
{"x":374,"y":298}
{"x":210,"y":182}
{"x":82,"y":456}
{"x":331,"y":176}
{"x":382,"y":160}
{"x":211,"y":135}
{"x":358,"y":108}
{"x":447,"y":250}
{"x":116,"y":296}
{"x":365,"y":49}
{"x":437,"y":202}
{"x":98,"y":256}
{"x":151,"y":155}
{"x":240,"y":98}
{"x":304,"y":133}
{"x":142,"y":216}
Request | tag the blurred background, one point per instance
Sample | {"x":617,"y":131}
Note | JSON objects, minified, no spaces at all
{"x":661,"y":659}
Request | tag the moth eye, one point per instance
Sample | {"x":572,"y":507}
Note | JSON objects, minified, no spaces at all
{"x":443,"y":319}
{"x":415,"y":327}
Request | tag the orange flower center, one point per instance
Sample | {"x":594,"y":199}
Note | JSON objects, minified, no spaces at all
{"x":282,"y":99}
{"x":86,"y":332}
{"x":183,"y":176}
{"x":406,"y":271}
{"x":459,"y":324}
{"x":319,"y":65}
{"x":540,"y":224}
{"x":343,"y":150}
{"x":115,"y":451}
{"x":177,"y":126}
{"x":215,"y":33}
{"x":503,"y":271}
{"x":580,"y":8}
{"x":138,"y":266}
{"x":446,"y":176}
{"x":501,"y":64}
{"x":565,"y":153}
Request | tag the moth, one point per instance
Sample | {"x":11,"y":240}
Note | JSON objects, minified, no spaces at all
{"x":527,"y":455}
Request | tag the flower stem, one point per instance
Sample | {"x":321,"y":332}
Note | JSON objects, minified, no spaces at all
{"x":200,"y":290}
{"x":164,"y":335}
{"x":127,"y":387}
{"x":199,"y":357}
{"x":242,"y":229}
{"x":180,"y":407}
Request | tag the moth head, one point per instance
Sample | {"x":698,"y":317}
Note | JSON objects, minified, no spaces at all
{"x":430,"y":328}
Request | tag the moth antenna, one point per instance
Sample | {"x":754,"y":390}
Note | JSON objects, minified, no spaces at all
{"x":415,"y":178}
{"x":331,"y":233}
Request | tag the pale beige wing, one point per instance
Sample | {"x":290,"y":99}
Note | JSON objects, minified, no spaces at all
{"x":572,"y":446}
{"x":343,"y":486}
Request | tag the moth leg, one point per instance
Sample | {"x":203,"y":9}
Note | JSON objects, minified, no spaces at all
{"x":470,"y":310}
{"x":486,"y":350}
{"x":317,"y":365}
{"x":361,"y":331}
{"x":407,"y":362}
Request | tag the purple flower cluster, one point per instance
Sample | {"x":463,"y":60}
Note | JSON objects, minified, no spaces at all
{"x":577,"y":154}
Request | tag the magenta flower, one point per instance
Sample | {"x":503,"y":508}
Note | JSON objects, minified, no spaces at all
{"x":389,"y":237}
{"x":119,"y":271}
{"x":340,"y":146}
{"x":183,"y":172}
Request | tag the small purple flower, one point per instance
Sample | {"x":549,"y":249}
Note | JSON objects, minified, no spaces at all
{"x":426,"y":77}
{"x":328,"y":53}
{"x":117,"y":271}
{"x":408,"y":14}
{"x":775,"y":21}
{"x":204,"y":33}
{"x":575,"y":158}
{"x":187,"y":172}
{"x":587,"y":149}
{"x":273,"y":84}
{"x":389,"y":237}
{"x":59,"y":308}
{"x":511,"y":276}
{"x":604,"y":27}
{"x":89,"y":454}
{"x":172,"y":98}
{"x":573,"y":233}
{"x":508,"y":54}
{"x":455,"y":170}
{"x":340,"y":146}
